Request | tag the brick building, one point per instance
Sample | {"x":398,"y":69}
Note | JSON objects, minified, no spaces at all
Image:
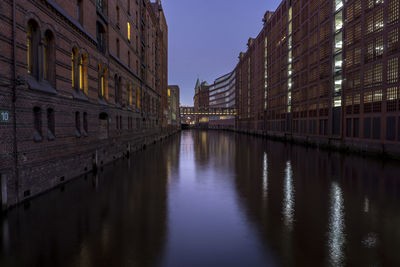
{"x":174,"y":117}
{"x":82,"y":83}
{"x":325,"y":72}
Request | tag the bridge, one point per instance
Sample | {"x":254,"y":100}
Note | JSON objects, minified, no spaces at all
{"x":196,"y":116}
{"x":207,"y":112}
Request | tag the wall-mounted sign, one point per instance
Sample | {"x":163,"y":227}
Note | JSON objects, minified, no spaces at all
{"x":4,"y":116}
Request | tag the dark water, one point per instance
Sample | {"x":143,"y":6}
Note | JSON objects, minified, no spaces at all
{"x":215,"y":199}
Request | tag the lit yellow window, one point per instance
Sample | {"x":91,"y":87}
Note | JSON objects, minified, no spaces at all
{"x":81,"y":74}
{"x":129,"y":31}
{"x":169,"y":92}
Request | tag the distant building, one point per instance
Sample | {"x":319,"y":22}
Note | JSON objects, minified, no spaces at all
{"x":201,"y":97}
{"x":173,"y":106}
{"x":222,"y":94}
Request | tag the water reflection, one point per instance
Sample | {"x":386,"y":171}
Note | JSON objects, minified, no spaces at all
{"x":215,"y":199}
{"x":336,"y":227}
{"x":288,"y":201}
{"x":265,"y":176}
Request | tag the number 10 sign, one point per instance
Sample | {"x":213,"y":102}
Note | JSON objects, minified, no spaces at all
{"x":4,"y":116}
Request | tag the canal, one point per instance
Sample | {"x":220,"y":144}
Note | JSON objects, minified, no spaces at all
{"x":215,"y":199}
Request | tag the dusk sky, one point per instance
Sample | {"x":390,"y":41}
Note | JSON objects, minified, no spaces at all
{"x":206,"y":37}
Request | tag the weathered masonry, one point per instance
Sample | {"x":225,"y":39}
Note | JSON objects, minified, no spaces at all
{"x":81,"y":84}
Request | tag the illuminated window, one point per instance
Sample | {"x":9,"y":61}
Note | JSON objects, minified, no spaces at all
{"x":394,"y":10}
{"x":129,"y":31}
{"x":138,"y":98}
{"x":82,"y":68}
{"x":338,"y":4}
{"x":130,"y":94}
{"x":392,"y":93}
{"x":367,"y":97}
{"x":339,"y":21}
{"x":393,"y":70}
{"x":393,"y":40}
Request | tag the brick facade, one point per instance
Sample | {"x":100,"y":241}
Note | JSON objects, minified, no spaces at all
{"x":95,"y":87}
{"x":325,"y":72}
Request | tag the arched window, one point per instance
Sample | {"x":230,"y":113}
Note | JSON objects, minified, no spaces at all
{"x":128,"y":26}
{"x":130,"y":94}
{"x":101,"y":82}
{"x":48,"y":57}
{"x":117,"y":88}
{"x":32,"y":43}
{"x":82,"y":66}
{"x":105,"y":75}
{"x":138,"y":98}
{"x":74,"y":68}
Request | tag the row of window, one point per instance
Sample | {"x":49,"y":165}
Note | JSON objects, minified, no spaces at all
{"x":51,"y":131}
{"x":40,"y":53}
{"x":81,"y":124}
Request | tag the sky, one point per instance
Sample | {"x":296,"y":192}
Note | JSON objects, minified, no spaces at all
{"x":205,"y":38}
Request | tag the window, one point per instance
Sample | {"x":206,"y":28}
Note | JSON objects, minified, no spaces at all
{"x":100,"y":4}
{"x":129,"y":31}
{"x":393,"y":70}
{"x":393,"y":40}
{"x":101,"y":35}
{"x":117,"y":87}
{"x":105,"y":82}
{"x":117,"y":45}
{"x":77,"y":124}
{"x":82,"y":66}
{"x":85,"y":124}
{"x":138,"y":98}
{"x":48,"y":57}
{"x":37,"y":122}
{"x":74,"y":68}
{"x":394,"y":10}
{"x":129,"y":59}
{"x":79,"y":11}
{"x":101,"y":82}
{"x":117,"y":8}
{"x":130,"y":94}
{"x":32,"y":43}
{"x":50,"y":124}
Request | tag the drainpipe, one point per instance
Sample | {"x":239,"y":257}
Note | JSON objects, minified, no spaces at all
{"x":14,"y":99}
